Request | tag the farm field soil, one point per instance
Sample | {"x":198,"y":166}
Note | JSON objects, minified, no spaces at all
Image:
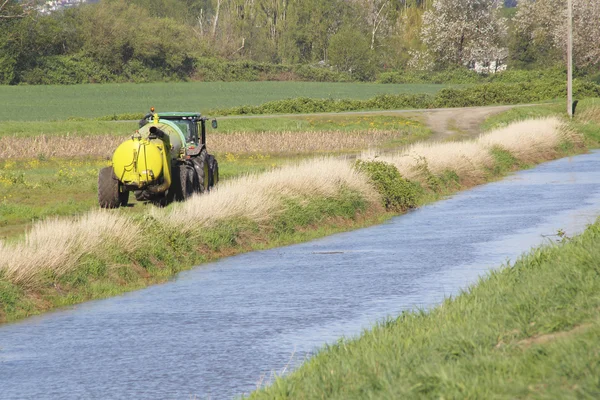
{"x":36,"y":103}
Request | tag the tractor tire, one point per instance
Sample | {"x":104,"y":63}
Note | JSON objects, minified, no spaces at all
{"x":189,"y":181}
{"x":175,"y":193}
{"x":213,"y":167}
{"x":202,"y":171}
{"x":108,"y":189}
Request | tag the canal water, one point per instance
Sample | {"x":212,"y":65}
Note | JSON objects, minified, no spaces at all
{"x":221,"y":329}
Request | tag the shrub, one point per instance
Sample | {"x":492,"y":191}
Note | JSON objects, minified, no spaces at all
{"x":398,"y":194}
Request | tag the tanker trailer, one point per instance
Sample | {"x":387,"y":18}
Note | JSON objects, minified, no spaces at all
{"x":165,"y":160}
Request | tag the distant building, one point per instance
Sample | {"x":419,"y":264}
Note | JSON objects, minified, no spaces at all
{"x":57,"y":5}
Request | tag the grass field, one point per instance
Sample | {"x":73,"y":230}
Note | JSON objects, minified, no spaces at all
{"x":37,"y":103}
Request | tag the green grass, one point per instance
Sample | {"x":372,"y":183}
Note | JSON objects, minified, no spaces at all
{"x":528,"y":330}
{"x":32,"y":190}
{"x":66,"y":128}
{"x":521,"y":114}
{"x":37,"y":103}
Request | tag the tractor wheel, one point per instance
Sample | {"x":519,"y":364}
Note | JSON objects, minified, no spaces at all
{"x":213,"y":167}
{"x":202,"y":171}
{"x":189,"y":181}
{"x":108,"y":189}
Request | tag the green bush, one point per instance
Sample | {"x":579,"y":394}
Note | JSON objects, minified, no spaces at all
{"x":320,"y":74}
{"x":398,"y":194}
{"x":456,"y":76}
{"x":503,"y":93}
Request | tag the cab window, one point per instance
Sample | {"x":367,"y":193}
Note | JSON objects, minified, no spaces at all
{"x":188,"y":129}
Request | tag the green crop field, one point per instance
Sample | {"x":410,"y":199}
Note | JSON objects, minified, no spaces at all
{"x":36,"y":103}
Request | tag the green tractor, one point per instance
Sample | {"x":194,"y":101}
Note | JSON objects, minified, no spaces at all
{"x":165,"y":160}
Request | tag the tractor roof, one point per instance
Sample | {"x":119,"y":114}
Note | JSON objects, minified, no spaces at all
{"x":176,"y":115}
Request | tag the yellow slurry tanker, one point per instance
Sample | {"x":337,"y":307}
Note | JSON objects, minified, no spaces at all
{"x":165,"y":160}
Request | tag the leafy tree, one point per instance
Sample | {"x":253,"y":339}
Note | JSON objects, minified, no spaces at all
{"x":349,"y":51}
{"x":461,"y":32}
{"x":116,"y":33}
{"x":310,"y":25}
{"x":541,"y":27}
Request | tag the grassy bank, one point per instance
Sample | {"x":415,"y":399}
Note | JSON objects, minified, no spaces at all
{"x":100,"y":254}
{"x":528,"y":330}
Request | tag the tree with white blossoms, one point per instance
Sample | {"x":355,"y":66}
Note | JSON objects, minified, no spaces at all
{"x":464,"y":32}
{"x":543,"y":23}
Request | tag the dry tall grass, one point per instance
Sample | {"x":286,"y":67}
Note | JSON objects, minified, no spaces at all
{"x":528,"y":141}
{"x":259,"y":197}
{"x":58,"y":146}
{"x":590,"y":114}
{"x":238,"y":143}
{"x":301,"y":142}
{"x":57,"y":245}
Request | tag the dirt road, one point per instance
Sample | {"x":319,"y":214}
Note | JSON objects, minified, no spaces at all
{"x":446,"y":123}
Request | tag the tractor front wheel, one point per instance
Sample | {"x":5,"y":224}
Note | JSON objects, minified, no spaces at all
{"x":109,"y":195}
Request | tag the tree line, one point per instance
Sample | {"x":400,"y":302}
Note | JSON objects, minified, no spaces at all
{"x":145,"y":40}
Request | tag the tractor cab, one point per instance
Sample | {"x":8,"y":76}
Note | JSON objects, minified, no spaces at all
{"x":191,"y":124}
{"x":187,"y":123}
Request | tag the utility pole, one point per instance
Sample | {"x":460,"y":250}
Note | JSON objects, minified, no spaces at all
{"x":570,"y":58}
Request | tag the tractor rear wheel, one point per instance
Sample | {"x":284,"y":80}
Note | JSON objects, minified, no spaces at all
{"x":188,"y":180}
{"x":202,"y":171}
{"x":108,"y":189}
{"x":213,"y":167}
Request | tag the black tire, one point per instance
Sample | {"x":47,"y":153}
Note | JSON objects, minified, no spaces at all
{"x":201,"y":167}
{"x":213,"y":171}
{"x":188,"y":180}
{"x":108,"y":189}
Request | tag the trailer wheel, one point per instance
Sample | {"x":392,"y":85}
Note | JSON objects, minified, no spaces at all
{"x":108,"y":189}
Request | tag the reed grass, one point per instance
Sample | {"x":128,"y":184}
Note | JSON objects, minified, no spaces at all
{"x":56,"y":245}
{"x":590,"y":114}
{"x":259,"y":197}
{"x":528,"y":141}
{"x":236,"y":143}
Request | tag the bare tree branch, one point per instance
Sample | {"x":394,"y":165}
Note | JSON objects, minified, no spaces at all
{"x":18,"y":11}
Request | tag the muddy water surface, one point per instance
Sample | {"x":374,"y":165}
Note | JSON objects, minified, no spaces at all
{"x":221,"y":329}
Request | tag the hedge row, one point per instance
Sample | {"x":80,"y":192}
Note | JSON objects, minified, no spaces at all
{"x":477,"y":95}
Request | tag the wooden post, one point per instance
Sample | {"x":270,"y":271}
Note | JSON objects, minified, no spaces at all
{"x":570,"y":58}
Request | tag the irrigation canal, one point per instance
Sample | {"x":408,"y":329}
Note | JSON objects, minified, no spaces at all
{"x":218,"y":330}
